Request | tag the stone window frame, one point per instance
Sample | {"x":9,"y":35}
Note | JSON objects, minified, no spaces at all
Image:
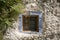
{"x":40,"y":14}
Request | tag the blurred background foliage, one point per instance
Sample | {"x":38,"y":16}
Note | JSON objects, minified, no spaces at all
{"x":9,"y":11}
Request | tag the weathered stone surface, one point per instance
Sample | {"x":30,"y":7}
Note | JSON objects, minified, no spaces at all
{"x":51,"y":25}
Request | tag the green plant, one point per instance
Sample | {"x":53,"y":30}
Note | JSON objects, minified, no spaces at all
{"x":9,"y":11}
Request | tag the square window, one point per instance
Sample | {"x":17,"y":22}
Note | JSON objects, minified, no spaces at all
{"x":30,"y":23}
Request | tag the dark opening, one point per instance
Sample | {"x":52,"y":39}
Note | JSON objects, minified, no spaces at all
{"x":30,"y":23}
{"x":58,"y":0}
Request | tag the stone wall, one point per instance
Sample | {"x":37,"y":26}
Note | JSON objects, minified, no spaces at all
{"x":51,"y":24}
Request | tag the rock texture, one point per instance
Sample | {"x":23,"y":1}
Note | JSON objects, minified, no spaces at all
{"x":51,"y":28}
{"x":51,"y":24}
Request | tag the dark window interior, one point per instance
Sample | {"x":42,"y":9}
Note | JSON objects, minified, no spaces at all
{"x":30,"y":23}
